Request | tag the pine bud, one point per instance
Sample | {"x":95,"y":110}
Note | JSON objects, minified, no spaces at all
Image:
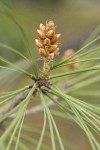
{"x":50,"y":34}
{"x":52,"y":48}
{"x":68,"y":53}
{"x":73,"y":66}
{"x":46,"y":42}
{"x":42,"y":52}
{"x":42,"y":28}
{"x":38,"y":43}
{"x":56,"y":53}
{"x":41,"y":34}
{"x":50,"y":24}
{"x":76,"y":65}
{"x":56,"y":38}
{"x":51,"y":56}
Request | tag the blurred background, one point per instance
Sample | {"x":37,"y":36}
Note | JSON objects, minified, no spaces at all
{"x":75,"y":20}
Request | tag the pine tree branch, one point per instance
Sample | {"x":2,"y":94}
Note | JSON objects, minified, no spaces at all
{"x":15,"y":101}
{"x":35,"y":109}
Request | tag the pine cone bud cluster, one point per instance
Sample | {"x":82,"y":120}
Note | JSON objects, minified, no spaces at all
{"x":68,"y":53}
{"x":47,"y":42}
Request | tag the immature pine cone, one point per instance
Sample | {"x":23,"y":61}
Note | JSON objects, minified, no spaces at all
{"x":47,"y":42}
{"x":68,"y":53}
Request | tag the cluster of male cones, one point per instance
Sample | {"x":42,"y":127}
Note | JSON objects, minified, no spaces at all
{"x":48,"y":41}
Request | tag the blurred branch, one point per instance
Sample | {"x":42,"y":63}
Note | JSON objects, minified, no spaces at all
{"x":13,"y":103}
{"x":35,"y":109}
